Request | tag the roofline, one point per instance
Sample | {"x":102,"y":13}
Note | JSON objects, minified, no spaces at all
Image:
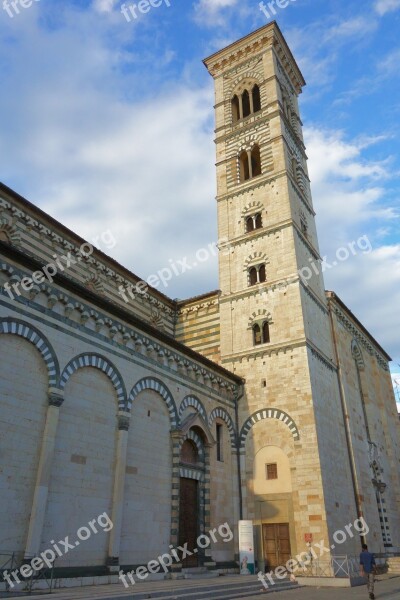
{"x":77,"y":288}
{"x":271,"y":25}
{"x":333,"y":296}
{"x":200,"y":297}
{"x":46,"y":217}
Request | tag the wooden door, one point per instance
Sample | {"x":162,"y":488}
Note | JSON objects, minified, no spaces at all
{"x":188,"y":519}
{"x":276,"y":545}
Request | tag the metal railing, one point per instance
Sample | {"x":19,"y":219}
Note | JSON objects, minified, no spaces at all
{"x":13,"y":561}
{"x":332,"y":566}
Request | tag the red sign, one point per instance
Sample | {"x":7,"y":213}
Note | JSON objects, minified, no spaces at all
{"x":308,"y":538}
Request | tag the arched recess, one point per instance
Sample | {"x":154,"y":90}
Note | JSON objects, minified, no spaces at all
{"x":357,"y":355}
{"x":41,"y":343}
{"x":268,"y":413}
{"x":221,"y":413}
{"x":198,"y":442}
{"x":98,"y":362}
{"x":151,"y":383}
{"x":195,"y":403}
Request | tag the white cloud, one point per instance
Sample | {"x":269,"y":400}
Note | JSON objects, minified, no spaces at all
{"x":348,"y":191}
{"x":384,"y":6}
{"x":104,"y":6}
{"x":211,"y":12}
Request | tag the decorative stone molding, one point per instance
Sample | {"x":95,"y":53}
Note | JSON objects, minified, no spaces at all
{"x":196,"y":439}
{"x":357,"y":355}
{"x":110,"y":328}
{"x":191,"y":473}
{"x":360,"y":337}
{"x":220,"y":413}
{"x":268,"y":413}
{"x":55,"y":399}
{"x":124,"y":420}
{"x":151,"y":383}
{"x":255,"y":259}
{"x":195,"y":403}
{"x":260,"y":315}
{"x":10,"y":231}
{"x":98,"y":362}
{"x":322,"y":358}
{"x":31,"y":334}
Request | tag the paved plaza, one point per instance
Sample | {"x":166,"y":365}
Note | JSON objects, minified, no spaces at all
{"x":387,"y":588}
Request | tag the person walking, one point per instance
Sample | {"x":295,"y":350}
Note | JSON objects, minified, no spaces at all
{"x":367,"y":569}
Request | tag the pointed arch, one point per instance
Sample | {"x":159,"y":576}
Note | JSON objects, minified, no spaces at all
{"x":195,"y":403}
{"x":268,"y":413}
{"x":221,"y":413}
{"x":97,"y":362}
{"x":357,"y":355}
{"x":34,"y":336}
{"x":151,"y":383}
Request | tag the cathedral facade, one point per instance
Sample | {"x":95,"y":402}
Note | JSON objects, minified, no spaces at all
{"x":266,"y":400}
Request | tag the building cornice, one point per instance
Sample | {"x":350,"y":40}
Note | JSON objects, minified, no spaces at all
{"x":117,"y":321}
{"x":268,"y":36}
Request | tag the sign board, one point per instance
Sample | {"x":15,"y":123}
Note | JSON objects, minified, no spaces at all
{"x":308,"y":538}
{"x":246,"y":547}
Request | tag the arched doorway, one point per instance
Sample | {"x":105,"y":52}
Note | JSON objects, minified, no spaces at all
{"x":191,"y":501}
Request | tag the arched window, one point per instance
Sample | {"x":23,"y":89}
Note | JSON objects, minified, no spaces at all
{"x":262,"y":275}
{"x":246,"y":103}
{"x":256,"y":335}
{"x":189,"y":453}
{"x":265,"y":332}
{"x":244,"y":166}
{"x":258,"y":221}
{"x":253,"y":276}
{"x":256,"y":98}
{"x":255,"y":161}
{"x":249,"y":224}
{"x":235,"y":109}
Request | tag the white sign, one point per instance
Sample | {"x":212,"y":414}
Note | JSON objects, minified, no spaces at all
{"x":246,"y":548}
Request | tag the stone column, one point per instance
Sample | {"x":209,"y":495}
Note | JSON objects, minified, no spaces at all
{"x":118,"y":492}
{"x":39,"y":503}
{"x":250,"y":164}
{"x":240,"y":106}
{"x":176,"y":436}
{"x":208,"y":561}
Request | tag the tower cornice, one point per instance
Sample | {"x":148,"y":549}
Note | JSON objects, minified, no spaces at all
{"x":268,"y":36}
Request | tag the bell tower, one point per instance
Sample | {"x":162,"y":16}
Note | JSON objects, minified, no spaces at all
{"x":273,"y":312}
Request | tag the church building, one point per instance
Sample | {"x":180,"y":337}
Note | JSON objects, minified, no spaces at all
{"x":266,"y":400}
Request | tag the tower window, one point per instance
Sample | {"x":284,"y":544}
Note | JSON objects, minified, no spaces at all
{"x":253,"y":274}
{"x":244,"y":166}
{"x":255,"y":161}
{"x":246,"y":103}
{"x":261,"y":333}
{"x":256,"y":98}
{"x":257,"y":274}
{"x":235,"y":109}
{"x":271,"y":471}
{"x":257,"y":335}
{"x":249,"y":224}
{"x":253,"y":222}
{"x":249,"y":163}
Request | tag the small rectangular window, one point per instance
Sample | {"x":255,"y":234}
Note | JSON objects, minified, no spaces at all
{"x":271,"y":471}
{"x":219,"y":442}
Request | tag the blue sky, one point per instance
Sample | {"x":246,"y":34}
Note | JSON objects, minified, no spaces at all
{"x":108,"y":125}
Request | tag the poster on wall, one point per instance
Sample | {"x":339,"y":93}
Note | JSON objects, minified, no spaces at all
{"x":246,"y":547}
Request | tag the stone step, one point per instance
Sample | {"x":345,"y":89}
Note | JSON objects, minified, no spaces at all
{"x":230,"y":591}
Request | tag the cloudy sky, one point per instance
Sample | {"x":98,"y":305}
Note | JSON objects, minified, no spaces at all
{"x":108,"y":125}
